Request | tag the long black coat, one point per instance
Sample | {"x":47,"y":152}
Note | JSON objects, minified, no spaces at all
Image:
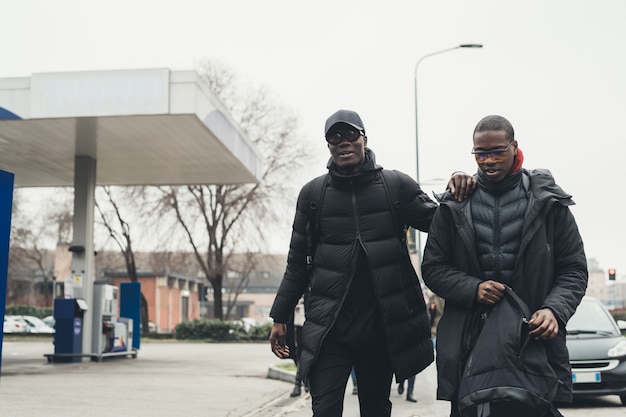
{"x":355,"y":212}
{"x":550,"y":271}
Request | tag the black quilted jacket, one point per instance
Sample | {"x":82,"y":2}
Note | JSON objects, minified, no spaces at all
{"x":355,"y":212}
{"x":550,"y":271}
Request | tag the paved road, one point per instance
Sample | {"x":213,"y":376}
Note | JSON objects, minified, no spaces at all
{"x":187,"y":379}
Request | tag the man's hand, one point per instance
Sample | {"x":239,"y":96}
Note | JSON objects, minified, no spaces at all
{"x":461,"y":185}
{"x":277,"y":340}
{"x":489,"y":292}
{"x":543,"y":325}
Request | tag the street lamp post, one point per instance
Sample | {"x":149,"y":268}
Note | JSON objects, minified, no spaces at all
{"x":417,"y":153}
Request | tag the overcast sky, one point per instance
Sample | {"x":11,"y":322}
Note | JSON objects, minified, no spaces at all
{"x":555,"y":68}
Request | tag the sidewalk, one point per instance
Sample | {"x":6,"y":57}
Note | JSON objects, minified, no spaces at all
{"x":170,"y":379}
{"x":424,"y":393}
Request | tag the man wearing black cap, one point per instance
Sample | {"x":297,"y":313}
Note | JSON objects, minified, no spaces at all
{"x":364,"y":306}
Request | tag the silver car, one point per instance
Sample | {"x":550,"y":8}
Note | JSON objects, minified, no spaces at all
{"x":597,"y":351}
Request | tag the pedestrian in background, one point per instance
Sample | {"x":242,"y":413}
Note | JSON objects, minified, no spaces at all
{"x":409,"y":389}
{"x":435,"y":311}
{"x":298,"y":322}
{"x":355,"y":386}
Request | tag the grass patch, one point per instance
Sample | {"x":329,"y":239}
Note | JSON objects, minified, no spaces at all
{"x":289,"y":366}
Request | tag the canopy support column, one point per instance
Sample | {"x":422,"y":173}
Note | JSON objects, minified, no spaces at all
{"x":82,"y":248}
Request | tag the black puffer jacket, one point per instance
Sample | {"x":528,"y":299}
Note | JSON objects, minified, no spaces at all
{"x":355,"y":213}
{"x":550,"y":272}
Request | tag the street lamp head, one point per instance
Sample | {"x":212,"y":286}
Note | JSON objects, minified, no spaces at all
{"x":470,"y":45}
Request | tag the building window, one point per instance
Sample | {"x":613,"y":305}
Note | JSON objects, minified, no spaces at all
{"x":233,"y":275}
{"x":184,"y":309}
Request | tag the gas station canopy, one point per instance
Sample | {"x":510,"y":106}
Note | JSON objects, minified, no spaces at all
{"x":126,"y":127}
{"x":144,"y":127}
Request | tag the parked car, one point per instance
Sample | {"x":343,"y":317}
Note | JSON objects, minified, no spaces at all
{"x":597,"y":351}
{"x":49,"y":320}
{"x":36,"y":325}
{"x":14,"y":324}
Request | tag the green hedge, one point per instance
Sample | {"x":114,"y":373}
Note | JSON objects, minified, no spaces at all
{"x":260,"y":332}
{"x":212,"y":329}
{"x":199,"y":329}
{"x":20,"y":310}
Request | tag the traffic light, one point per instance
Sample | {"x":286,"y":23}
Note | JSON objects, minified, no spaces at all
{"x":612,"y":274}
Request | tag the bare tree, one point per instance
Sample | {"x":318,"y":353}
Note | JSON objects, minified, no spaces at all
{"x":26,"y":248}
{"x":219,"y":219}
{"x":32,"y":238}
{"x":119,"y":231}
{"x":241,"y":280}
{"x":16,"y":263}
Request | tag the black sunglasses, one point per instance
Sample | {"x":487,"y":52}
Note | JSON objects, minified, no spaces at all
{"x":349,"y":135}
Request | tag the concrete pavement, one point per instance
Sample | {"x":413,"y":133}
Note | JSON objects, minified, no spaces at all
{"x":169,"y":379}
{"x":424,"y":394}
{"x":190,"y":379}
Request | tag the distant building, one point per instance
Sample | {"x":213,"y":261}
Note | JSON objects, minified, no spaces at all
{"x":251,"y":293}
{"x":171,"y":298}
{"x":177,"y":291}
{"x":248,"y":287}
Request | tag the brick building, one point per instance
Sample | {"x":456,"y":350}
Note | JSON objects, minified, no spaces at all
{"x":171,"y":298}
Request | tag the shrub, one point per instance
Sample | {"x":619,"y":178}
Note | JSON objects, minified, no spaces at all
{"x":23,"y":310}
{"x":199,"y":329}
{"x":260,"y":332}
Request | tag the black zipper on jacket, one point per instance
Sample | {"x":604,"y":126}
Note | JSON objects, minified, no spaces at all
{"x":356,"y":215}
{"x":350,"y":276}
{"x":497,"y":230}
{"x":359,"y":242}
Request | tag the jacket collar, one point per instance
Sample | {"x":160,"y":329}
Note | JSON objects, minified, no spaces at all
{"x":507,"y":184}
{"x":369,"y":167}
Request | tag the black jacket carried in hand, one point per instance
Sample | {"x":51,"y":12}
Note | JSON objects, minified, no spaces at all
{"x":506,"y":372}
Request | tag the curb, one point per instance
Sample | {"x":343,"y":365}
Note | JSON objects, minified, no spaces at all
{"x":274,"y":372}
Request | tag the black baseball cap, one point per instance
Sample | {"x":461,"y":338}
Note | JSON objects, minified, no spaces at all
{"x":344,"y":116}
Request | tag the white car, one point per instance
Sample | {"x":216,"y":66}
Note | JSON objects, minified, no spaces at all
{"x":12,"y":324}
{"x":49,"y":320}
{"x":36,"y":325}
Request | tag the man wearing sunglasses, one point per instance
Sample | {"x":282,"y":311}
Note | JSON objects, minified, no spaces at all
{"x":365,"y":307}
{"x":516,"y":229}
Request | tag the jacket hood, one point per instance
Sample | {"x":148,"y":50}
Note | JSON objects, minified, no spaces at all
{"x":543,"y":187}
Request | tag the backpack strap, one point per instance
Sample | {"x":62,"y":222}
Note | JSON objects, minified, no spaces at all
{"x":392,"y":189}
{"x":313,"y":209}
{"x":483,"y":409}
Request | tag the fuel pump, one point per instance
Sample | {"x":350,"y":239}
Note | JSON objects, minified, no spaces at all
{"x":112,"y":335}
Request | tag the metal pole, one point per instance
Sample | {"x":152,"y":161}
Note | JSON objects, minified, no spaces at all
{"x":417,"y":154}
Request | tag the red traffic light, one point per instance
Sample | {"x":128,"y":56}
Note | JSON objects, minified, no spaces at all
{"x":612,"y":274}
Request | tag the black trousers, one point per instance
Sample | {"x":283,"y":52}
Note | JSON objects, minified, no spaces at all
{"x":330,"y":372}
